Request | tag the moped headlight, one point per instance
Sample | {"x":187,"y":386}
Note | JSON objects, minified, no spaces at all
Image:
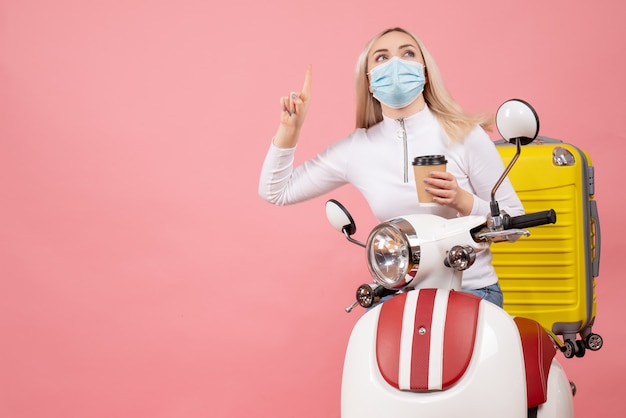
{"x":392,"y":254}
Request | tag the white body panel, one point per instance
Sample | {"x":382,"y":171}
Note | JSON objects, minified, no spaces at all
{"x":436,"y":237}
{"x":493,"y":385}
{"x":560,"y":403}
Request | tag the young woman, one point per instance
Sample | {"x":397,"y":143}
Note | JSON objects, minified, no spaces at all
{"x":403,"y":111}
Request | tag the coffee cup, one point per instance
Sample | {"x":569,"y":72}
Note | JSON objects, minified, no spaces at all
{"x":422,"y":167}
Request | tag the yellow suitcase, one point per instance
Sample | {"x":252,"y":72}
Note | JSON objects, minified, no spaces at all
{"x":550,"y":276}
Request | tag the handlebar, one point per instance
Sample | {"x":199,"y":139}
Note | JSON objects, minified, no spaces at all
{"x":529,"y":220}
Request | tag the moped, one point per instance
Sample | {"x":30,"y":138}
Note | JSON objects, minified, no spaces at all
{"x":424,"y":348}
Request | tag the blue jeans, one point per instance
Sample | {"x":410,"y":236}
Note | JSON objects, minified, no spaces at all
{"x":491,"y":293}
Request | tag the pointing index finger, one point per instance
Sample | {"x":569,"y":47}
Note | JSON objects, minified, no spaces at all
{"x":306,"y":88}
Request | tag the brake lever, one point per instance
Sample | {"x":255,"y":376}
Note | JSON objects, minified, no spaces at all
{"x":510,"y":235}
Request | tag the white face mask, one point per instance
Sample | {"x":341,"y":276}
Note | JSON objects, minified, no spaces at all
{"x":397,"y":82}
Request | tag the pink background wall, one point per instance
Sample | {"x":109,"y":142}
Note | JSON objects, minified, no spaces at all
{"x":141,"y":276}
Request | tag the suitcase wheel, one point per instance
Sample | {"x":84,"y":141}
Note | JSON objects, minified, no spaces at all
{"x":573,"y":348}
{"x":568,"y":349}
{"x":594,"y":342}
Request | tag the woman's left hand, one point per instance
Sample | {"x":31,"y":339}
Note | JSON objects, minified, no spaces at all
{"x":446,"y":191}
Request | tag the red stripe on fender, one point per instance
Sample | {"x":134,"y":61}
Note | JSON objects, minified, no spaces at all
{"x":539,"y":351}
{"x":388,"y":338}
{"x":420,"y":358}
{"x":459,"y":336}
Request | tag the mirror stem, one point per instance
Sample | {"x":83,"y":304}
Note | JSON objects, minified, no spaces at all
{"x":352,"y":240}
{"x":495,"y":210}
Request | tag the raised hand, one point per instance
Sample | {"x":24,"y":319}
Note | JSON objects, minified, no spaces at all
{"x":294,"y":108}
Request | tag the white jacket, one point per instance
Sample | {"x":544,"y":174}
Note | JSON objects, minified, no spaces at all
{"x":373,"y":160}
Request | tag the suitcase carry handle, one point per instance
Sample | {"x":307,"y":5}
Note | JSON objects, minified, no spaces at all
{"x":595,"y":219}
{"x":530,"y":219}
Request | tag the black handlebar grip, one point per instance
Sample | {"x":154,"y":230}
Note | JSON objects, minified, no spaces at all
{"x":530,"y":219}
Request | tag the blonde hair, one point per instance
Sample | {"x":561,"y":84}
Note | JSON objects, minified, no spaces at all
{"x":455,"y":121}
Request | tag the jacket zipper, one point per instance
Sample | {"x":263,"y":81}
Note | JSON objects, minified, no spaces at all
{"x":406,"y":150}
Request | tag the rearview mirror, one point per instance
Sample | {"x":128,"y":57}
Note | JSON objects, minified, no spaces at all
{"x":517,"y":122}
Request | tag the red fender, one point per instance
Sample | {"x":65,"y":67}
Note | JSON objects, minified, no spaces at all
{"x":449,"y":357}
{"x":539,"y":350}
{"x":459,"y":310}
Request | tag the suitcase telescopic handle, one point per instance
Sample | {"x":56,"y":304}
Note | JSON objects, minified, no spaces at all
{"x":530,"y":219}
